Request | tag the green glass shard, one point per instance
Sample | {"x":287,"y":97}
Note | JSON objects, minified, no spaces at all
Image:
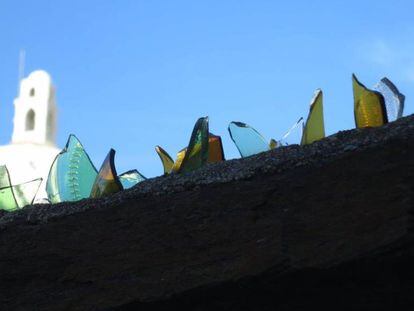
{"x":25,"y":193}
{"x":314,"y":128}
{"x":369,"y":106}
{"x":130,"y":178}
{"x":72,"y":174}
{"x":4,"y":177}
{"x":167,"y":161}
{"x":18,"y":196}
{"x":197,"y":150}
{"x":394,"y":100}
{"x":247,"y":140}
{"x":106,"y":181}
{"x":7,"y":200}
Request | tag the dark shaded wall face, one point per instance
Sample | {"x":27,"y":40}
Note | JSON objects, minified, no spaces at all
{"x":327,"y":224}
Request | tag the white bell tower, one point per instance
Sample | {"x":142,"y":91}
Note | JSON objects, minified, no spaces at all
{"x":35,"y":111}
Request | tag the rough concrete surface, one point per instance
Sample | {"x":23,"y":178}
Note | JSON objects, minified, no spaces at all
{"x":328,"y":225}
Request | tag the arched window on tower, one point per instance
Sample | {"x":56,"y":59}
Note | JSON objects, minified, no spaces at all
{"x":30,"y":120}
{"x":32,"y":92}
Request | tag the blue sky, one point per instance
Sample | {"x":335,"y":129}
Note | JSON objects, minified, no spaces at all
{"x":134,"y":74}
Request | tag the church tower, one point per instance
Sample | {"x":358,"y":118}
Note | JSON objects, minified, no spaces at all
{"x":32,"y":149}
{"x":35,"y":111}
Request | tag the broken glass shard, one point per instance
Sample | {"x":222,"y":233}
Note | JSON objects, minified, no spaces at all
{"x":369,"y":106}
{"x":72,"y":174}
{"x":394,"y":100}
{"x":106,"y":181}
{"x":314,"y":128}
{"x":247,"y":140}
{"x":196,"y":154}
{"x":130,"y":178}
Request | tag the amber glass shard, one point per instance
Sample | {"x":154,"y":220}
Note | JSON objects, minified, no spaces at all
{"x":179,"y":160}
{"x":394,"y":100}
{"x":247,"y":140}
{"x":215,"y":149}
{"x":215,"y":152}
{"x":7,"y":199}
{"x":369,"y":106}
{"x":197,"y":150}
{"x":273,"y":143}
{"x":106,"y":181}
{"x":166,"y":160}
{"x":314,"y":128}
{"x":72,"y":174}
{"x":130,"y":178}
{"x":25,"y":193}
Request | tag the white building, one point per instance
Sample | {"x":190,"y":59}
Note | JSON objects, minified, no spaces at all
{"x":32,"y":148}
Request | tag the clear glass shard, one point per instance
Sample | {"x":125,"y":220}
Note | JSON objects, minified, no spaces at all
{"x":369,"y":106}
{"x":106,"y":181}
{"x":247,"y":140}
{"x":130,"y":178}
{"x":314,"y":128}
{"x":25,"y":193}
{"x":394,"y":100}
{"x":72,"y":174}
{"x":293,"y":135}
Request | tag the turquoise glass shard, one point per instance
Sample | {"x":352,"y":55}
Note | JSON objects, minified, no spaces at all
{"x":247,"y":140}
{"x":394,"y":100}
{"x":107,"y":181}
{"x":72,"y":174}
{"x":7,"y":200}
{"x":25,"y":193}
{"x":130,"y":178}
{"x":197,"y":150}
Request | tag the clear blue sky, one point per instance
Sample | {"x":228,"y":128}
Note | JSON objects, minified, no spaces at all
{"x":134,"y":74}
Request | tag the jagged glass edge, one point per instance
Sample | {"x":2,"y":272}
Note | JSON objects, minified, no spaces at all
{"x":382,"y":100}
{"x":127,"y":185}
{"x":9,"y":186}
{"x":30,"y":201}
{"x":202,"y":126}
{"x":111,"y":159}
{"x":211,"y":135}
{"x":244,"y":125}
{"x":392,"y":88}
{"x":161,"y":152}
{"x":318,"y":93}
{"x":64,"y":150}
